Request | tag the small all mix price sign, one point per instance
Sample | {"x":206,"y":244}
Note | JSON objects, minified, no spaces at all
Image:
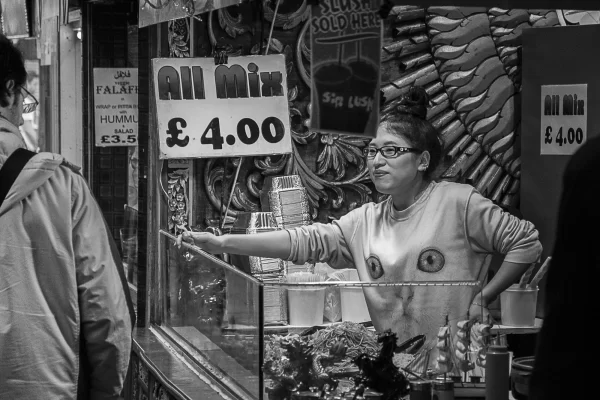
{"x":235,"y":109}
{"x":564,"y":118}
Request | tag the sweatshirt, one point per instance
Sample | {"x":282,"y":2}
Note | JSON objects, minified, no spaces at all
{"x":448,"y":234}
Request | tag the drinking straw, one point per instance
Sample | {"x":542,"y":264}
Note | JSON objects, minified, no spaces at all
{"x":525,"y":278}
{"x":540,"y":274}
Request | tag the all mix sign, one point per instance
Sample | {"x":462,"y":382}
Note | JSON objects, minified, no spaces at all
{"x":563,"y":118}
{"x":235,"y":109}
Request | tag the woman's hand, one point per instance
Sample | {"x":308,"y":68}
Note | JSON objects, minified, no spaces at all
{"x":479,"y":312}
{"x":206,"y":241}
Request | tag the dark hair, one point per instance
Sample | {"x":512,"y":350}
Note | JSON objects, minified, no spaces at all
{"x":408,"y":118}
{"x":12,"y":67}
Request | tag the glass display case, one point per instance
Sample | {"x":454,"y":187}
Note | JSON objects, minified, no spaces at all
{"x":238,"y":327}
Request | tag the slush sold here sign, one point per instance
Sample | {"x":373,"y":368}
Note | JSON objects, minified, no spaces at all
{"x":235,"y":109}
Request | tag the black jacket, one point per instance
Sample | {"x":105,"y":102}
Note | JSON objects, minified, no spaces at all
{"x":567,"y":343}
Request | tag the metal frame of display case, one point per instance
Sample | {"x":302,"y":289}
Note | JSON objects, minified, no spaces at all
{"x":171,"y":335}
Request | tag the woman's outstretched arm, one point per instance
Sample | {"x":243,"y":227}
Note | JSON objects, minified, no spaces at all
{"x":274,"y":244}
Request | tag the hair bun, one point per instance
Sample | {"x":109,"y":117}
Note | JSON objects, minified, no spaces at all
{"x":414,"y":102}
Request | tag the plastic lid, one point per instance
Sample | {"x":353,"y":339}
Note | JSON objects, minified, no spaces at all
{"x":420,"y":385}
{"x":498,"y":349}
{"x":517,"y":288}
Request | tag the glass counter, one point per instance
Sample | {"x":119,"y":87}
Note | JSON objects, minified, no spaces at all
{"x":223,"y":318}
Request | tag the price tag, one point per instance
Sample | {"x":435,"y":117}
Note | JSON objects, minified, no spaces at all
{"x":208,"y":110}
{"x":563,"y":118}
{"x":127,"y":140}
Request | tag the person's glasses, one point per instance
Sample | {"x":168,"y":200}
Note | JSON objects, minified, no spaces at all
{"x":30,"y":103}
{"x":388,"y":151}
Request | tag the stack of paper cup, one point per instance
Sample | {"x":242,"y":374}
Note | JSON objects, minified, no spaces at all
{"x":287,"y":199}
{"x":305,"y":302}
{"x":251,"y":223}
{"x":240,"y":294}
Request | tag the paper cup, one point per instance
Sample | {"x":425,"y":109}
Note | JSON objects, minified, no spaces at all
{"x":306,"y":306}
{"x":518,"y":306}
{"x":354,"y":305}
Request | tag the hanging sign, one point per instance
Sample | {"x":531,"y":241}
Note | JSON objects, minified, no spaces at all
{"x":564,"y":110}
{"x":156,"y":11}
{"x":234,"y":109}
{"x":116,"y":106}
{"x":345,"y":59}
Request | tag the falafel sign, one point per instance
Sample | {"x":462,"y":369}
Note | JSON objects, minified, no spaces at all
{"x":116,"y":106}
{"x":235,"y":109}
{"x":345,"y":57}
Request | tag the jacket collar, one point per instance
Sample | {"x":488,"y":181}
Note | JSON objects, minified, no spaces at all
{"x":35,"y":173}
{"x":10,"y":139}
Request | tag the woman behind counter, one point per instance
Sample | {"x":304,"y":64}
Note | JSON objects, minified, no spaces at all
{"x":424,"y":231}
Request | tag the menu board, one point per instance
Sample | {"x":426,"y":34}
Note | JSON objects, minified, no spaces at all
{"x":234,"y":109}
{"x":116,"y":106}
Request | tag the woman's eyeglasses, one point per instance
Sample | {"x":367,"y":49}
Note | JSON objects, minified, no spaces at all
{"x":31,"y":105}
{"x":388,"y":151}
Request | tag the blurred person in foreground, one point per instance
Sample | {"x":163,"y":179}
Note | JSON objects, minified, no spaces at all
{"x":565,"y":347}
{"x":65,"y":312}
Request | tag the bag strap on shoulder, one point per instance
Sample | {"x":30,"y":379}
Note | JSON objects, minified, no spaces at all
{"x":11,"y":170}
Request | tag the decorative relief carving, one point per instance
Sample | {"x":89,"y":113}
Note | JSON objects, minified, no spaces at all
{"x":143,"y":374}
{"x":178,"y":171}
{"x":179,"y":38}
{"x":290,"y":13}
{"x":178,"y":199}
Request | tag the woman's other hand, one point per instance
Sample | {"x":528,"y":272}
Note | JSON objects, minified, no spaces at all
{"x":204,"y":240}
{"x":479,"y":313}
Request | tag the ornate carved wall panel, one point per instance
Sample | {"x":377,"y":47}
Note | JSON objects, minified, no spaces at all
{"x":468,"y":59}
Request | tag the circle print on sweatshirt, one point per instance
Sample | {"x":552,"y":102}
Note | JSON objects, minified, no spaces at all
{"x":431,"y":260}
{"x":374,"y":266}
